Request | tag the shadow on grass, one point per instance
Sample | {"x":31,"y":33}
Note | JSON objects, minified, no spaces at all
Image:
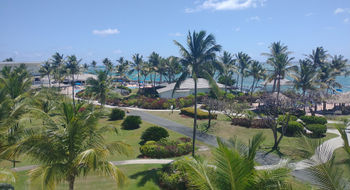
{"x":148,"y":175}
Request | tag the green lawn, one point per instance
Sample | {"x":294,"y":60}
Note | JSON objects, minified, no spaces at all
{"x":224,"y":129}
{"x":342,"y":161}
{"x":139,"y":177}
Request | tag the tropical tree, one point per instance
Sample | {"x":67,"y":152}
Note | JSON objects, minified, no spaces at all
{"x":93,"y":64}
{"x":108,"y":65}
{"x":16,"y":81}
{"x":10,"y":59}
{"x":136,"y":66}
{"x":122,"y":67}
{"x":73,"y":68}
{"x":46,"y":70}
{"x":146,"y":70}
{"x":99,"y":86}
{"x":276,"y":48}
{"x":257,"y":71}
{"x":70,"y":145}
{"x":201,"y":50}
{"x":172,"y":68}
{"x":339,"y":64}
{"x":155,"y":60}
{"x":228,"y":62}
{"x":58,"y":67}
{"x":233,"y":169}
{"x":85,"y":67}
{"x":243,"y":61}
{"x":305,"y":77}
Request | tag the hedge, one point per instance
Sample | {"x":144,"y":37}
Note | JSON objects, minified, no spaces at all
{"x":318,"y":130}
{"x":154,"y":133}
{"x":165,"y":148}
{"x":117,"y":114}
{"x":254,"y":123}
{"x":189,"y":111}
{"x":294,"y":128}
{"x":313,"y":120}
{"x":282,"y":118}
{"x":131,"y":122}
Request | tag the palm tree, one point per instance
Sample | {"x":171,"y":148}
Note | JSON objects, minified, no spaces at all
{"x":257,"y":72}
{"x":201,"y":50}
{"x":276,"y":49}
{"x":155,"y":61}
{"x":146,"y":69}
{"x":122,"y":67}
{"x":70,"y":145}
{"x":172,"y":68}
{"x":85,"y":67}
{"x":108,"y":65}
{"x":233,"y":169}
{"x":46,"y":70}
{"x":243,"y":61}
{"x":228,"y":62}
{"x":58,"y":67}
{"x":339,"y":64}
{"x":305,"y":77}
{"x":136,"y":66}
{"x":93,"y":64}
{"x":72,"y":66}
{"x":99,"y":86}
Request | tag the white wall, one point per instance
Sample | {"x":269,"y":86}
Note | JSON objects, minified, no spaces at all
{"x":182,"y":93}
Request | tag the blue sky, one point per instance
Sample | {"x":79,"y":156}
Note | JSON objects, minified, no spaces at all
{"x":34,"y":30}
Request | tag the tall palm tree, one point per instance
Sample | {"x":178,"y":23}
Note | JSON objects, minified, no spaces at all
{"x":58,"y":67}
{"x":93,"y":64}
{"x":283,"y":66}
{"x":70,"y":145}
{"x":108,"y":65}
{"x":340,"y":66}
{"x":305,"y":77}
{"x":146,"y":70}
{"x":136,"y":66}
{"x":257,"y":71}
{"x":46,"y":70}
{"x":73,"y":68}
{"x":122,"y":67}
{"x":228,"y":62}
{"x":243,"y":61}
{"x":99,"y":86}
{"x":155,"y":60}
{"x":276,"y":48}
{"x":233,"y":169}
{"x":172,"y":68}
{"x":201,"y":50}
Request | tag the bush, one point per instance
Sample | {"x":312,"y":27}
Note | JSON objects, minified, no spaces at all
{"x":154,"y":134}
{"x":298,"y":113}
{"x":165,"y":148}
{"x":131,"y":122}
{"x":282,"y":118}
{"x":116,"y":114}
{"x":253,"y":123}
{"x":171,"y":177}
{"x":294,"y":128}
{"x":200,"y":114}
{"x":318,"y":130}
{"x":313,"y":120}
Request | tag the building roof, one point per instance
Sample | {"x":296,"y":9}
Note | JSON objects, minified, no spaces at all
{"x":189,"y":84}
{"x":339,"y":98}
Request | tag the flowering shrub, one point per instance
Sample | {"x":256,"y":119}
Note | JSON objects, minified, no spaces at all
{"x":165,"y":148}
{"x":200,"y":114}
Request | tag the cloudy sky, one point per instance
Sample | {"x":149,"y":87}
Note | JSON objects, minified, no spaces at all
{"x":34,"y":30}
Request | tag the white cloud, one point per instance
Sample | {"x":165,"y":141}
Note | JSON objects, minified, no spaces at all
{"x":339,"y":10}
{"x":254,"y":18}
{"x":106,"y":32}
{"x":226,"y":5}
{"x":309,"y":14}
{"x":237,"y":29}
{"x":346,"y":20}
{"x":261,"y":43}
{"x":176,"y":34}
{"x":117,"y":51}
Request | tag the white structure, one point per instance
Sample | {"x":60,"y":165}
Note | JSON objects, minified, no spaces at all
{"x":186,"y":88}
{"x":33,"y":67}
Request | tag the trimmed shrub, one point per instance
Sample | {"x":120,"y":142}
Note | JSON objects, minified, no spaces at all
{"x":298,"y":113}
{"x":294,"y":128}
{"x":318,"y":130}
{"x":154,"y":133}
{"x":313,"y":120}
{"x":171,"y":177}
{"x":131,"y":122}
{"x":253,"y":123}
{"x":165,"y":148}
{"x":282,"y":118}
{"x":189,"y":111}
{"x":117,"y":114}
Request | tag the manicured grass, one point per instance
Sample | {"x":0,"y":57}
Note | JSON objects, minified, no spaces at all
{"x":139,"y":177}
{"x":224,"y":129}
{"x":337,"y":117}
{"x":342,"y":161}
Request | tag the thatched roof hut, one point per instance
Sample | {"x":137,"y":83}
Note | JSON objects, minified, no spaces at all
{"x":341,"y":98}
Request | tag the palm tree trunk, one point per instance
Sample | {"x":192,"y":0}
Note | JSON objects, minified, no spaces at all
{"x":71,"y":183}
{"x":195,"y":117}
{"x":73,"y":84}
{"x":304,"y":100}
{"x":138,"y":78}
{"x":274,"y":85}
{"x":242,"y":83}
{"x":48,"y":76}
{"x":278,"y":88}
{"x":237,"y":81}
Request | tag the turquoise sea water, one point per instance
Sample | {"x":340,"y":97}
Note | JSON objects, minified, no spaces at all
{"x":344,"y":81}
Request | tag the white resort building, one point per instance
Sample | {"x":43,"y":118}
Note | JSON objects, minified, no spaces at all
{"x":186,"y":88}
